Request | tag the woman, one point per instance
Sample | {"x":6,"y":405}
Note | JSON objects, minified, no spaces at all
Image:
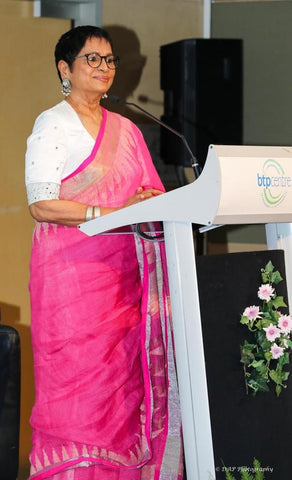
{"x":103,"y":360}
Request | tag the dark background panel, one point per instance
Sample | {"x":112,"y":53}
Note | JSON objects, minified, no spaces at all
{"x":243,"y":426}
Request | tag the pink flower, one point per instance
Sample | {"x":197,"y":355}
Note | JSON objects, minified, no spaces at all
{"x":285,"y":323}
{"x":276,"y":351}
{"x":252,"y":312}
{"x":266,"y":292}
{"x":272,"y":332}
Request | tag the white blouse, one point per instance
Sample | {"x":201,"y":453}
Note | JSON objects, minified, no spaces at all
{"x":59,"y":143}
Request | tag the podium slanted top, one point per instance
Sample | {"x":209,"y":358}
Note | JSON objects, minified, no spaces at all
{"x":238,"y":185}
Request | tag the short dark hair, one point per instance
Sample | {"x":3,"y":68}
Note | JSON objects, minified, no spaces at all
{"x":71,"y":42}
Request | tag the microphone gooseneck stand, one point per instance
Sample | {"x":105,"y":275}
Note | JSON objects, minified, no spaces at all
{"x":194,"y":162}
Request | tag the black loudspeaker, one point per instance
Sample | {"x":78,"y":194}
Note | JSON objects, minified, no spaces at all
{"x":9,"y":402}
{"x":202,"y":84}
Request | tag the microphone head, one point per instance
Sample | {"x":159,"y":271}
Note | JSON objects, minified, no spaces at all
{"x":115,"y":99}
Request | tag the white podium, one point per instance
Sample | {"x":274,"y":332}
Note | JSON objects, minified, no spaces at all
{"x":238,"y":185}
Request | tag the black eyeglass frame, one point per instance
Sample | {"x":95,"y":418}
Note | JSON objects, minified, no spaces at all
{"x":114,"y":58}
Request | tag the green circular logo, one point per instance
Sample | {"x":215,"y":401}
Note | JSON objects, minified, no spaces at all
{"x":274,"y":190}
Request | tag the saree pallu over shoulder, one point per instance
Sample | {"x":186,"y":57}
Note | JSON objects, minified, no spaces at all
{"x":115,"y":162}
{"x":106,"y":393}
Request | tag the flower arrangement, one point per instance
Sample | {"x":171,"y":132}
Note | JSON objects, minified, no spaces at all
{"x":264,"y":359}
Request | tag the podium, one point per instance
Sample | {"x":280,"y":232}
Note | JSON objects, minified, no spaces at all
{"x":238,"y":185}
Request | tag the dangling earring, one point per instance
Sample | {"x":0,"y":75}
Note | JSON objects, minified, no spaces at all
{"x":104,"y":95}
{"x":66,"y":87}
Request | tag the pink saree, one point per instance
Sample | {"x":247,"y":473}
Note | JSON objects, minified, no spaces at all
{"x":106,"y":405}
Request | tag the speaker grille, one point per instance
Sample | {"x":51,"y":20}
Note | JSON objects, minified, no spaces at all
{"x":202,"y":84}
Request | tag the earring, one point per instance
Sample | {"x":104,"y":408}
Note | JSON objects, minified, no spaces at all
{"x":104,"y":95}
{"x":66,"y":87}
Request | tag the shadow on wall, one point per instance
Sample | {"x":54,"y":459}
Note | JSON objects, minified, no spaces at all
{"x":10,"y":315}
{"x":127,"y":47}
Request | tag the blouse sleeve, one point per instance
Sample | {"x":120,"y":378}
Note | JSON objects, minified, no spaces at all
{"x":45,"y":158}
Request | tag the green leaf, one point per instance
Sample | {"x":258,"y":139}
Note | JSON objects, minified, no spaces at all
{"x":284,"y":360}
{"x":278,"y":390}
{"x":276,"y":277}
{"x":244,"y":320}
{"x":275,"y":376}
{"x":258,"y":324}
{"x":246,"y":356}
{"x":267,"y":271}
{"x":265,"y":322}
{"x":258,"y":471}
{"x":248,"y":345}
{"x":228,"y":475}
{"x":267,"y":313}
{"x":262,"y":340}
{"x":268,"y":356}
{"x":261,"y":368}
{"x":257,"y":363}
{"x":275,"y":316}
{"x":278,"y":302}
{"x":245,"y":475}
{"x":269,"y":267}
{"x":257,"y":383}
{"x":265,"y":277}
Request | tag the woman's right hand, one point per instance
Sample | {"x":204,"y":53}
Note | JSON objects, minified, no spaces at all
{"x":140,"y":195}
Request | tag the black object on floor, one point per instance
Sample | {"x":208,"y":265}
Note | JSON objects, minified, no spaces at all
{"x":9,"y":402}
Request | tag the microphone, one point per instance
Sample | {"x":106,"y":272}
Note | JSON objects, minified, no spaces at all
{"x":194,"y":162}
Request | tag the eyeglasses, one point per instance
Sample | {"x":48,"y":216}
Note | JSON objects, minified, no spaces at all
{"x":94,"y":60}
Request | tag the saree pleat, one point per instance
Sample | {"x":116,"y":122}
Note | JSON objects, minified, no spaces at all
{"x":102,"y":340}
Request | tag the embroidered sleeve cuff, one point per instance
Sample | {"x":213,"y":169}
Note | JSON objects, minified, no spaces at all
{"x":42,"y":191}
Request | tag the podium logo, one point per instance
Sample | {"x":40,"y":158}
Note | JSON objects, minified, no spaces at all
{"x":274,"y":183}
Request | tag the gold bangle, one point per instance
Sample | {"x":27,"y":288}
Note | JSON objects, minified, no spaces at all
{"x":89,"y":212}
